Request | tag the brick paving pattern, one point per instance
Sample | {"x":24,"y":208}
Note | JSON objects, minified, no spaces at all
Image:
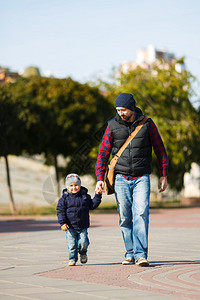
{"x":163,"y":279}
{"x":33,"y":260}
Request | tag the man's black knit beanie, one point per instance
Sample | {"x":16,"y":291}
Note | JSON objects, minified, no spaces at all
{"x":125,"y":100}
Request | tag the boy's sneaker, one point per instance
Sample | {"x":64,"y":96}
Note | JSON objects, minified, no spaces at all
{"x":143,"y":262}
{"x":128,"y":261}
{"x":83,"y":258}
{"x":71,"y":263}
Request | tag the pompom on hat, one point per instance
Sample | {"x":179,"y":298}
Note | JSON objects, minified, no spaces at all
{"x":125,"y":100}
{"x":71,"y":178}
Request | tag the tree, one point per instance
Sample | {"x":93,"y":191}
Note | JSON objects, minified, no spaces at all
{"x":163,"y":94}
{"x":38,"y":116}
{"x":11,"y":134}
{"x":60,"y":116}
{"x":80,"y":111}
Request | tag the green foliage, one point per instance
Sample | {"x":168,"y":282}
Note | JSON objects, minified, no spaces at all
{"x":11,"y":128}
{"x":57,"y":116}
{"x":62,"y":116}
{"x":163,"y":94}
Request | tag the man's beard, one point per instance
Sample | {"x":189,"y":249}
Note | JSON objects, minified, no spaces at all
{"x":126,"y":118}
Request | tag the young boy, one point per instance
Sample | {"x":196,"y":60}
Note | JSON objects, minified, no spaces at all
{"x":73,"y":216}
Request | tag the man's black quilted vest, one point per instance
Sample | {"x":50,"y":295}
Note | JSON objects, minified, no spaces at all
{"x":136,"y":158}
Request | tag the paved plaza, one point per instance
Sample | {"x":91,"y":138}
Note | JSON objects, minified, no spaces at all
{"x":33,"y":260}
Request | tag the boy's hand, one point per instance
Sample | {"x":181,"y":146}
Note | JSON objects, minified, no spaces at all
{"x":98,"y":192}
{"x":64,"y":227}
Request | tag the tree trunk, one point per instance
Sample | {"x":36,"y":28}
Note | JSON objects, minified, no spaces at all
{"x":57,"y":175}
{"x":12,"y":203}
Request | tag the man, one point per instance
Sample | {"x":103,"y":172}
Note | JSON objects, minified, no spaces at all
{"x":132,"y":180}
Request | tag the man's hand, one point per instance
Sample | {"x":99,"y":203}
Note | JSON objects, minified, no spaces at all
{"x":64,"y":227}
{"x":162,"y":185}
{"x":99,"y":187}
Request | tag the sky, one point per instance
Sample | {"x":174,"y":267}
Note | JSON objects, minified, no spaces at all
{"x":86,"y":39}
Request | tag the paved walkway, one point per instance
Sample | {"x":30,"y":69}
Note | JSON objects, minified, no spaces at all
{"x":33,"y":260}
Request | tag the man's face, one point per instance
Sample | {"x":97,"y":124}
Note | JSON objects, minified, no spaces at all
{"x":125,"y":114}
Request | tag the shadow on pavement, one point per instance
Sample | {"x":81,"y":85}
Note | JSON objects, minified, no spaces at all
{"x":27,"y":226}
{"x":155,"y":263}
{"x":152,"y":264}
{"x":174,"y":263}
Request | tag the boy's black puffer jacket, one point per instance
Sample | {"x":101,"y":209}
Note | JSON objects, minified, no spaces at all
{"x":73,"y":209}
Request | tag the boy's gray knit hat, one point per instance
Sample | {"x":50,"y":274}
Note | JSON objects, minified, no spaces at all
{"x":71,"y":178}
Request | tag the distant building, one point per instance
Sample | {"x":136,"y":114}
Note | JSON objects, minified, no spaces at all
{"x":7,"y":76}
{"x":192,"y":182}
{"x":149,"y":56}
{"x":191,"y":191}
{"x":31,"y":71}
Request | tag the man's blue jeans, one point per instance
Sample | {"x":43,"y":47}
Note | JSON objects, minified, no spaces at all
{"x":132,"y":198}
{"x":77,"y":242}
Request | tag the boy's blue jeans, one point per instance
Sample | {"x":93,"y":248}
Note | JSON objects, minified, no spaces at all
{"x":132,"y":198}
{"x":77,"y":242}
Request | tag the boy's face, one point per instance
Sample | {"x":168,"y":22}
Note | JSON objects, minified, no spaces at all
{"x":74,"y":188}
